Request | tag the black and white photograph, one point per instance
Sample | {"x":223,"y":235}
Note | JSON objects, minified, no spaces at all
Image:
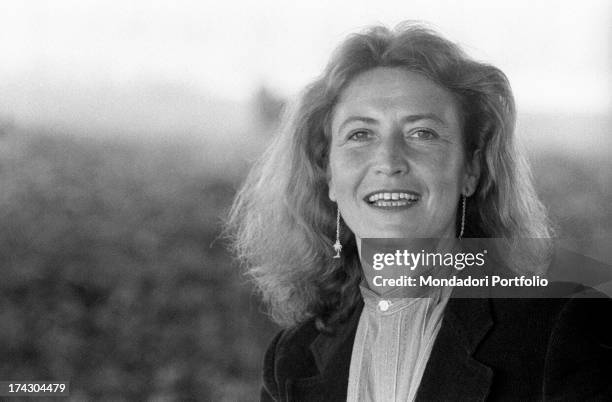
{"x":305,"y":201}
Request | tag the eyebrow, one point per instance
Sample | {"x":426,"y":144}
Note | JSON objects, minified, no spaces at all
{"x":408,"y":119}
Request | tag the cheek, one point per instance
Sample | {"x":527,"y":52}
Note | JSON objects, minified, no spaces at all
{"x":345,"y":171}
{"x":350,"y":159}
{"x":443,"y":174}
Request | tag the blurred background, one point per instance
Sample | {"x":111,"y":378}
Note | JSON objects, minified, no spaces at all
{"x":126,"y":127}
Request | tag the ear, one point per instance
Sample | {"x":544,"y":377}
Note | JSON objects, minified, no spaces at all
{"x":472,"y":175}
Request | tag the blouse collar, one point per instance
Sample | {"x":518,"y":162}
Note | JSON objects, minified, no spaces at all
{"x":394,"y":300}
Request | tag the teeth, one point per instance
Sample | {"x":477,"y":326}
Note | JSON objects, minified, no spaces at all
{"x":381,"y":203}
{"x":392,"y":196}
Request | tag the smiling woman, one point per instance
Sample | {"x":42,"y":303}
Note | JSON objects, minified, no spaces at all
{"x":404,"y":136}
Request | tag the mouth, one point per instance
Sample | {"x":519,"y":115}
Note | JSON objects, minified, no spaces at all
{"x":392,"y":199}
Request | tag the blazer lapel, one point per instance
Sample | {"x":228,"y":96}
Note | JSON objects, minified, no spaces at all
{"x":452,"y":373}
{"x":324,"y":347}
{"x":332,"y":357}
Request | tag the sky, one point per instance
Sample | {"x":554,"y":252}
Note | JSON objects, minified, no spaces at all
{"x":155,"y":64}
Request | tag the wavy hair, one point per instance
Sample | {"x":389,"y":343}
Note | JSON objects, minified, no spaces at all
{"x":282,"y":223}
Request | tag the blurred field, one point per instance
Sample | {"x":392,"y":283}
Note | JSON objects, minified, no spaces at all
{"x":112,"y":278}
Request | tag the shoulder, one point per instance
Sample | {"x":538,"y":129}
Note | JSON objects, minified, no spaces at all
{"x":287,"y":353}
{"x":588,"y":314}
{"x":579,"y":351}
{"x":561,"y":347}
{"x":583,"y":312}
{"x":300,"y":351}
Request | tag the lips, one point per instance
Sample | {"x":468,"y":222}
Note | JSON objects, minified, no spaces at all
{"x":390,"y":199}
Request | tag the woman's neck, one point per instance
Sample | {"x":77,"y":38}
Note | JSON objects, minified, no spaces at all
{"x":389,"y":264}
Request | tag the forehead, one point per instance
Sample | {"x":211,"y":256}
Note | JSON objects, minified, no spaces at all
{"x":396,"y":90}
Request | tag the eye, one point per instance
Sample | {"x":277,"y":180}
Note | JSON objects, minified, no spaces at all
{"x":423,"y":134}
{"x":360,"y":135}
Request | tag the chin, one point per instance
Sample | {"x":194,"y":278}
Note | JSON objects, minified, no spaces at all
{"x":405,"y":233}
{"x":393,"y":234}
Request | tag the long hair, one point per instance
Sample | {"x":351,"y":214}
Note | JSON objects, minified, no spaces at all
{"x":282,"y":222}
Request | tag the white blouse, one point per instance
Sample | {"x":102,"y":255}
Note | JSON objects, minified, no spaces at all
{"x":393,"y":343}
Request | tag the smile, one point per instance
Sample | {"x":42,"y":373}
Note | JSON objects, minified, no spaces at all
{"x":392,"y":199}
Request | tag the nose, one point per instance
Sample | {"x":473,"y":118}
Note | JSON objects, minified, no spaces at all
{"x":390,"y":158}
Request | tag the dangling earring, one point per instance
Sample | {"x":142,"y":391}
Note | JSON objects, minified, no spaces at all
{"x":462,"y":216}
{"x":337,"y":245}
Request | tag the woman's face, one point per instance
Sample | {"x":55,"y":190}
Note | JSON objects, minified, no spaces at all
{"x":397,"y":166}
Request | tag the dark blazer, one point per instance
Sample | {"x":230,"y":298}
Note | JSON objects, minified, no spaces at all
{"x":487,"y":349}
